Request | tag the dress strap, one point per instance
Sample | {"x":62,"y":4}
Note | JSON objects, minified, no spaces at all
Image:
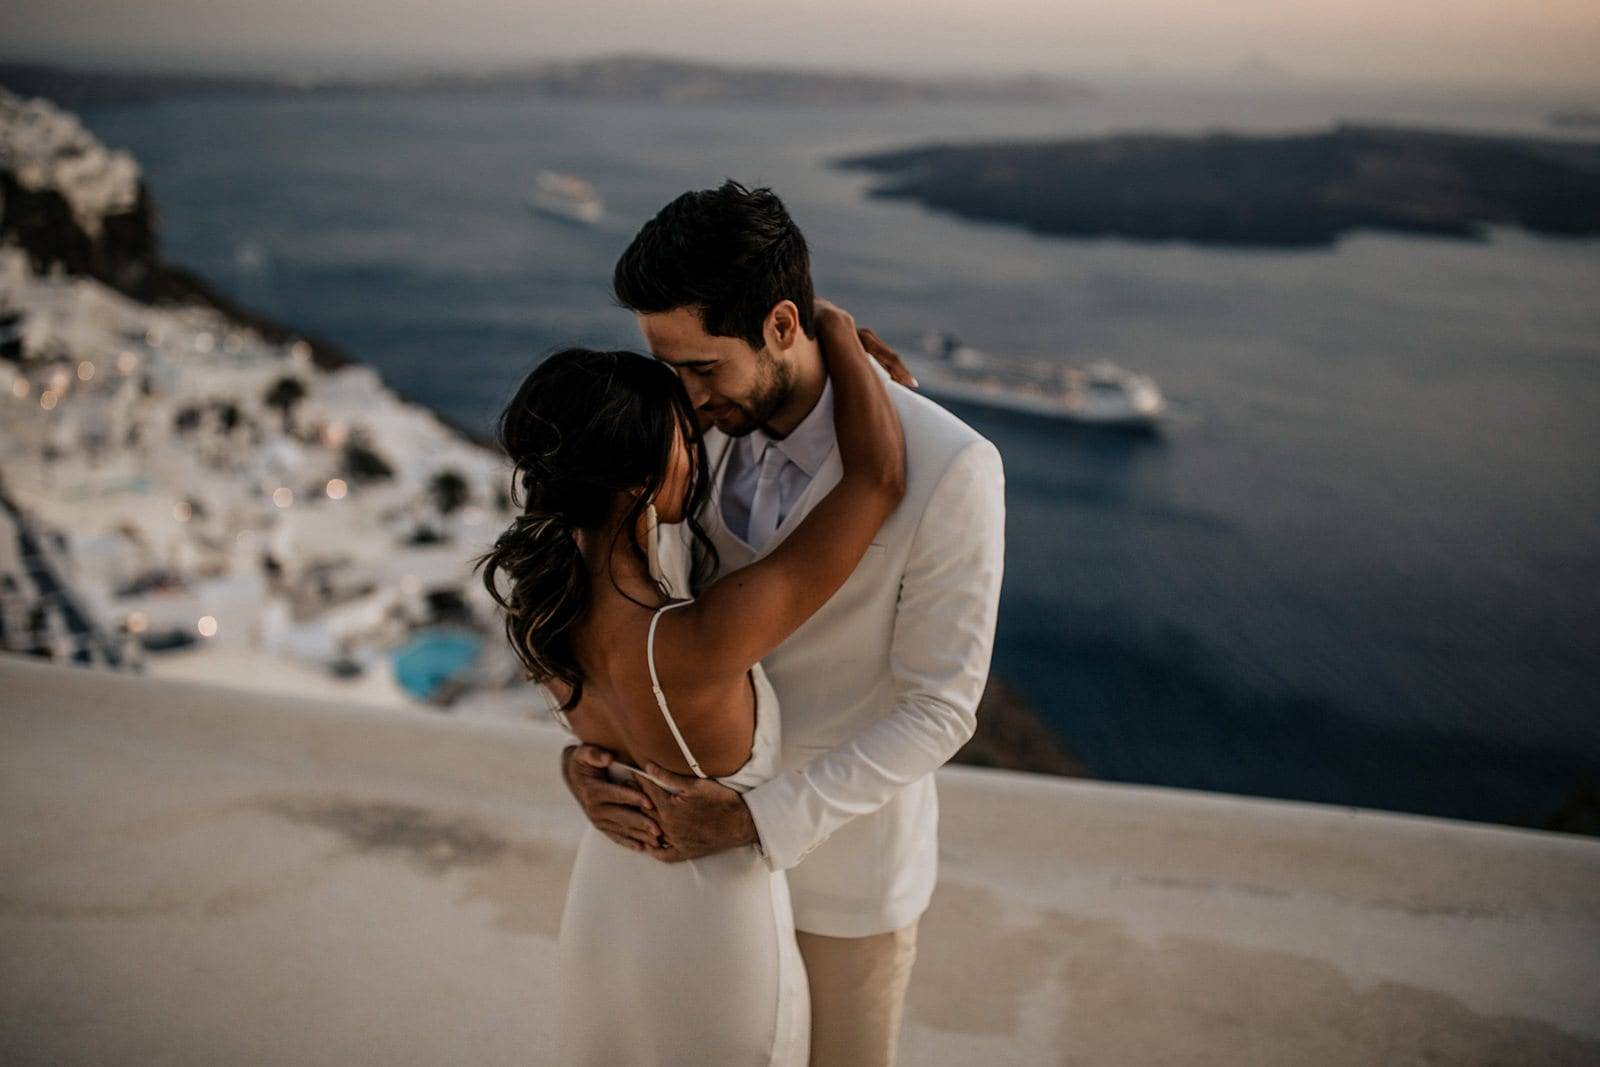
{"x":655,"y":684}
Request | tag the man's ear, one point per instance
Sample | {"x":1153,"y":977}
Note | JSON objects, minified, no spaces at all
{"x":783,"y":324}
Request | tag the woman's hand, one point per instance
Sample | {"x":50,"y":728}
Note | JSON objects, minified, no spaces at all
{"x":888,"y":357}
{"x":827,"y":313}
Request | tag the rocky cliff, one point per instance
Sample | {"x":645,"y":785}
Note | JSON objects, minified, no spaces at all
{"x":80,"y":208}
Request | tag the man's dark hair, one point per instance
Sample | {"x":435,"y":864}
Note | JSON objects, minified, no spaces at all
{"x":730,"y":252}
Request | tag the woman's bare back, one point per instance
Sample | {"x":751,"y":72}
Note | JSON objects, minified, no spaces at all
{"x":618,"y":709}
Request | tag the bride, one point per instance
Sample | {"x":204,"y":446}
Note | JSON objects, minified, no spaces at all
{"x":692,"y":961}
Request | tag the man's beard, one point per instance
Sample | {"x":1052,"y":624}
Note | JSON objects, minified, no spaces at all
{"x":774,"y":382}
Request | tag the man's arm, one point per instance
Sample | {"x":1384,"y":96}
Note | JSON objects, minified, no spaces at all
{"x":940,"y":652}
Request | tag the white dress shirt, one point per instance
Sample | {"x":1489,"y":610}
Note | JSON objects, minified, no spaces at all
{"x":802,"y":454}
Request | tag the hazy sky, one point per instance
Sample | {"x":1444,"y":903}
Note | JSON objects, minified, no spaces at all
{"x":1529,"y":42}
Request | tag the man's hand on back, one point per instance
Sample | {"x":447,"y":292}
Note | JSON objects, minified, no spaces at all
{"x":619,"y":811}
{"x":702,"y":818}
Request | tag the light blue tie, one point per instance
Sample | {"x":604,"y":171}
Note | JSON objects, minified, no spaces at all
{"x":764,"y":505}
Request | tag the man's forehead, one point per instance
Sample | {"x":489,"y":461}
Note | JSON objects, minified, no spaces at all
{"x":673,"y":335}
{"x":678,"y":338}
{"x":681,"y":355}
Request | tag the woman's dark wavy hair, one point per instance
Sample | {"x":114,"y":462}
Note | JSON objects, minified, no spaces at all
{"x":584,"y":426}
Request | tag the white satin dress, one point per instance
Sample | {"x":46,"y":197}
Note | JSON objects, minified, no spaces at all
{"x":692,"y":962}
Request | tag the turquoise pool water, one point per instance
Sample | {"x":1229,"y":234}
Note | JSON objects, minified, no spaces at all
{"x":432,"y":658}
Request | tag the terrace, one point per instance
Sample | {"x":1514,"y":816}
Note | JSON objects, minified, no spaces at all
{"x":195,"y":874}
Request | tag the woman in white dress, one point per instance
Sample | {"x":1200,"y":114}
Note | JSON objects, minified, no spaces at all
{"x":692,"y":962}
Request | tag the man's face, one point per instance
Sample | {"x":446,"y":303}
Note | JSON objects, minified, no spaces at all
{"x":732,"y":386}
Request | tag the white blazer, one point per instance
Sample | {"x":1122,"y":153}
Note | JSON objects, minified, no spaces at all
{"x":881,"y":686}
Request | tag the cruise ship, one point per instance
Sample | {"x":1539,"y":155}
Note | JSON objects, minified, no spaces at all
{"x":566,"y":196}
{"x":1100,"y":394}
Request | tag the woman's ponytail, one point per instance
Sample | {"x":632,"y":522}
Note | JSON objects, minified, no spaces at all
{"x":546,"y":592}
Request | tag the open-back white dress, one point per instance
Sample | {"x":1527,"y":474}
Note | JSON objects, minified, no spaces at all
{"x":692,"y":962}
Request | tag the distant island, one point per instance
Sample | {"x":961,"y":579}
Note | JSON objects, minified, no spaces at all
{"x":1575,"y":117}
{"x":1232,"y":189}
{"x":616,"y":78}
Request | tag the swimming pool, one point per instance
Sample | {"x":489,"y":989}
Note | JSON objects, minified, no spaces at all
{"x":432,"y":658}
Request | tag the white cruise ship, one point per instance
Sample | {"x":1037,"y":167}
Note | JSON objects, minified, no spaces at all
{"x":1100,"y":394}
{"x":566,"y":196}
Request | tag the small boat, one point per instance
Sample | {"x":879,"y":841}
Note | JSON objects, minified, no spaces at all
{"x":566,"y":196}
{"x":1100,"y":394}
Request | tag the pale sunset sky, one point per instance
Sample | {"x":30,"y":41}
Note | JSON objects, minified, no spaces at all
{"x":1491,"y":42}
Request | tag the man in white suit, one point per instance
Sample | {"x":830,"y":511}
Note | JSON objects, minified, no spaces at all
{"x":881,"y":686}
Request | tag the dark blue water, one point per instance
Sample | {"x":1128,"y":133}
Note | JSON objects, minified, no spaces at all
{"x":1362,"y":565}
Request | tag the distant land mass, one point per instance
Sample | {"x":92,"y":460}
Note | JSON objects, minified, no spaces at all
{"x":1575,"y":117}
{"x":1233,"y":189}
{"x":618,"y":78}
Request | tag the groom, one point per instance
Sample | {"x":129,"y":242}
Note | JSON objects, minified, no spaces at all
{"x":881,"y":686}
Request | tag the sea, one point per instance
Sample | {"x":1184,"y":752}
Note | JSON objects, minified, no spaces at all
{"x":1360,"y":565}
